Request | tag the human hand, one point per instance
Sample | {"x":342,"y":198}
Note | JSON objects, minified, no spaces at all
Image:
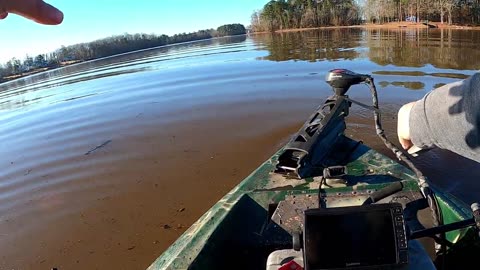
{"x":403,"y":125}
{"x":35,"y":10}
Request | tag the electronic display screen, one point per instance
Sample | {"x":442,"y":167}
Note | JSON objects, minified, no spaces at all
{"x":355,"y":238}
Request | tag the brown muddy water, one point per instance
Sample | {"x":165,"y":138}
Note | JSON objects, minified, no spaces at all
{"x":104,"y":164}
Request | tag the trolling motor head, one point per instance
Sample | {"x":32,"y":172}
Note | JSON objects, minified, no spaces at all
{"x":341,"y":80}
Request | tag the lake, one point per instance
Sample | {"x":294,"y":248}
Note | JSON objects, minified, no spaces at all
{"x":105,"y":163}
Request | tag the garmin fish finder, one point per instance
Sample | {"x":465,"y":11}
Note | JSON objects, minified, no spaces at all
{"x":364,"y":237}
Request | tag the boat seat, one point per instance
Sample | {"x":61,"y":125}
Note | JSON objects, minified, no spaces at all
{"x":278,"y":258}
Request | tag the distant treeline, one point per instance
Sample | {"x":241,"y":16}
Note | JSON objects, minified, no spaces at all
{"x":465,"y":12}
{"x":108,"y":47}
{"x":287,"y":14}
{"x":290,"y":14}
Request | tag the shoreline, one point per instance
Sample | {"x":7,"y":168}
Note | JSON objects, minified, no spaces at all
{"x":37,"y":70}
{"x":389,"y":26}
{"x":392,"y":26}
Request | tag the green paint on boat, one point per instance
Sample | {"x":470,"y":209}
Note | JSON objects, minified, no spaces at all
{"x":234,"y":224}
{"x":238,"y":232}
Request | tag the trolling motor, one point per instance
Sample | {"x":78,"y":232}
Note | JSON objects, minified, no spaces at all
{"x":328,"y":121}
{"x":341,"y":80}
{"x":305,"y":156}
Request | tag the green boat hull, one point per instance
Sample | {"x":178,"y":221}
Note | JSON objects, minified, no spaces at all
{"x":237,"y":232}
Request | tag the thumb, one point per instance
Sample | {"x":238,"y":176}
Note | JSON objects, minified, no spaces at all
{"x":406,"y":144}
{"x":36,"y":10}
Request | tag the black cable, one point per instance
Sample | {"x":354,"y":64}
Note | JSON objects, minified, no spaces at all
{"x":422,"y":180}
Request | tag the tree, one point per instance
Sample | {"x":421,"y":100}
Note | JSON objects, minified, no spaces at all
{"x":269,"y":14}
{"x":3,"y":72}
{"x":109,"y":46}
{"x":448,"y":6}
{"x":40,"y":61}
{"x":256,"y":22}
{"x":28,"y":63}
{"x":231,"y":30}
{"x":282,"y":14}
{"x":14,"y":66}
{"x":387,"y":10}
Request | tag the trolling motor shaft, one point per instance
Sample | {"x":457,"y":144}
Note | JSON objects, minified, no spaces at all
{"x":305,"y":151}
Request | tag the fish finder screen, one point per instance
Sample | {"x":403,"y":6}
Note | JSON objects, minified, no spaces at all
{"x":352,"y":238}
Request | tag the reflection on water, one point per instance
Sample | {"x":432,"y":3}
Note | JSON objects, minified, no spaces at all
{"x":176,"y":127}
{"x":400,"y":56}
{"x":422,"y":74}
{"x":151,"y":59}
{"x":440,"y":48}
{"x":312,"y":46}
{"x":408,"y":85}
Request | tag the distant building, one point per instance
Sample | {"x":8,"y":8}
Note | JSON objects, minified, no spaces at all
{"x":411,"y":19}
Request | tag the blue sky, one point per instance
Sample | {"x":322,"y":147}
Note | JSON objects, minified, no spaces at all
{"x":87,"y":20}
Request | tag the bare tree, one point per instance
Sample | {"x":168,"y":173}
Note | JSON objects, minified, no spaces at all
{"x":448,"y":6}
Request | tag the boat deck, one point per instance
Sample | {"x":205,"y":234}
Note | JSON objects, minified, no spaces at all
{"x":240,"y":228}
